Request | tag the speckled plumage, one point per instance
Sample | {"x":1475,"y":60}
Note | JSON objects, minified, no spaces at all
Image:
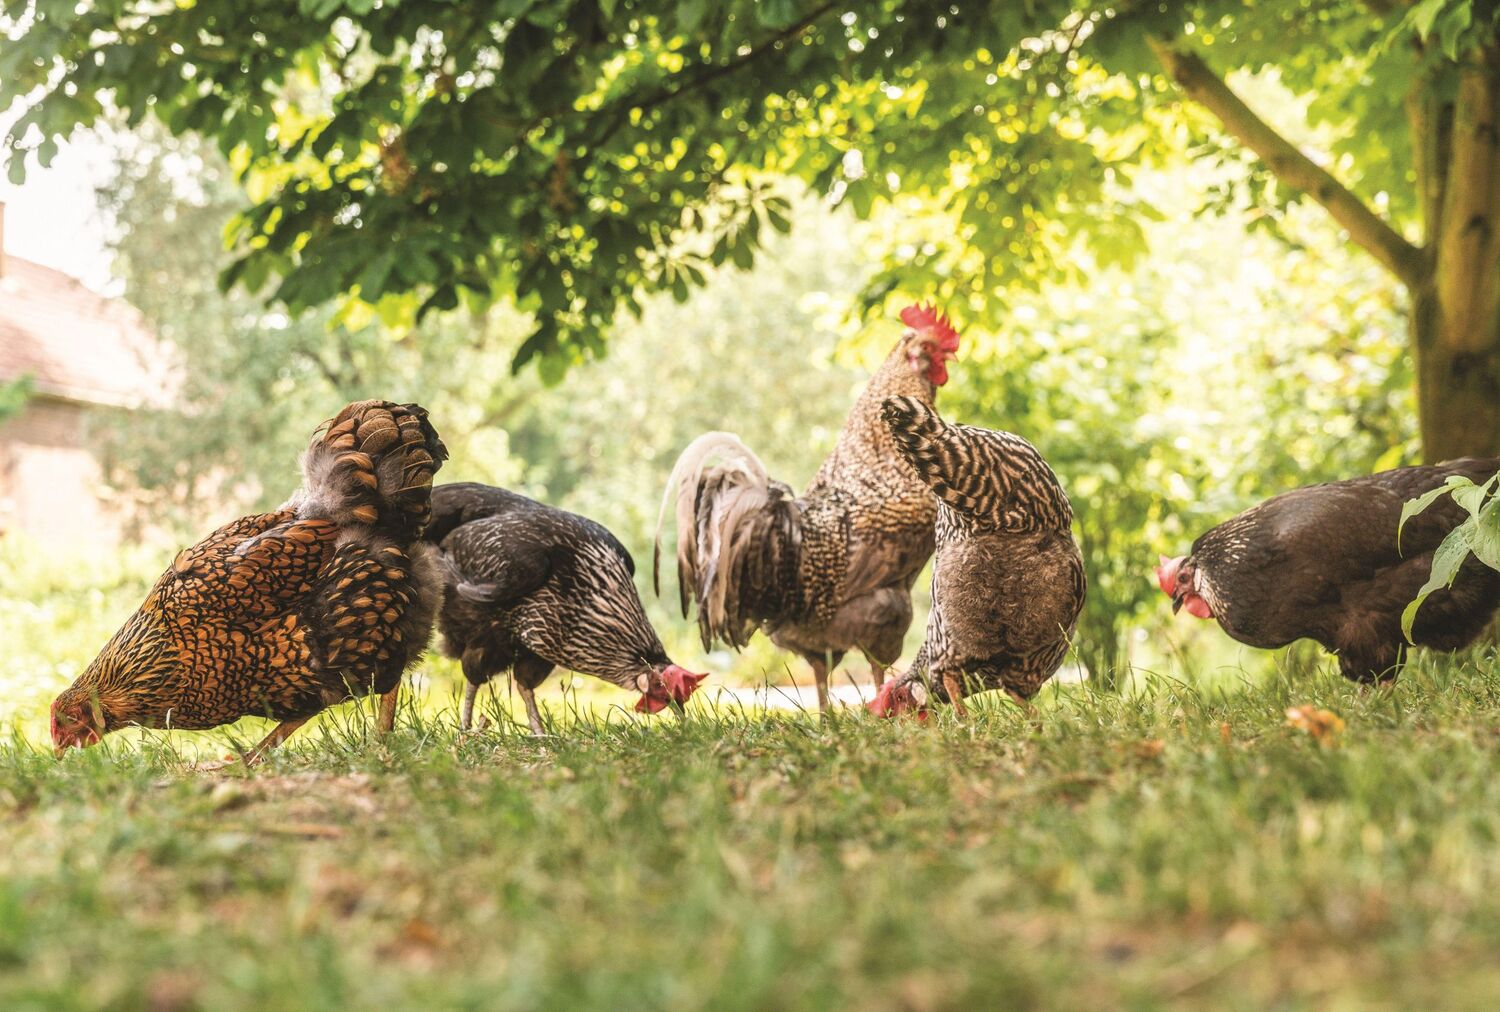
{"x":1008,"y":581}
{"x":1323,"y":563}
{"x":283,"y":613}
{"x":824,"y":573}
{"x":531,"y":588}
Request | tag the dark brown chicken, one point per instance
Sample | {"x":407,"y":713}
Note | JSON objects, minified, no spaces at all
{"x":830,"y":571}
{"x":1007,"y":582}
{"x":1324,"y":563}
{"x":532,"y":588}
{"x":283,"y":614}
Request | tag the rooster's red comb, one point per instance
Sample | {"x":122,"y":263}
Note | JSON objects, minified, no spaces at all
{"x":919,"y":318}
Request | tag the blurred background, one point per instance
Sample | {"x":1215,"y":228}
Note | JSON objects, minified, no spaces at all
{"x":1168,"y":391}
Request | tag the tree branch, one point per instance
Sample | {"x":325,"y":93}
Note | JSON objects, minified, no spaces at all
{"x":711,"y":73}
{"x":1291,"y":166}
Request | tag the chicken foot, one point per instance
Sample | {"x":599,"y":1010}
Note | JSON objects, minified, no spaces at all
{"x":280,"y":733}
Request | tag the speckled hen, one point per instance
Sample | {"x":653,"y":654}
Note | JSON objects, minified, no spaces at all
{"x":283,"y":614}
{"x":1007,"y":581}
{"x":532,"y":588}
{"x":829,"y":571}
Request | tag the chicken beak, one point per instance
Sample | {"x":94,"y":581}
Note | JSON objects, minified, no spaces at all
{"x":1176,"y":605}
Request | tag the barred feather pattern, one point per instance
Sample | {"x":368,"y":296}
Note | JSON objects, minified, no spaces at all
{"x":531,"y":582}
{"x":991,"y":480}
{"x":1008,"y":581}
{"x":281,"y":614}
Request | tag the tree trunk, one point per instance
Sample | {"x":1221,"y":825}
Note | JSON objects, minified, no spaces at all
{"x":1458,"y":390}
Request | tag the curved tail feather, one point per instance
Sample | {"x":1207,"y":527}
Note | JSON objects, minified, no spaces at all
{"x":738,"y":538}
{"x":924,"y":440}
{"x":372,"y":464}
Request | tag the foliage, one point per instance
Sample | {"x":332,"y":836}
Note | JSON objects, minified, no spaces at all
{"x":579,"y":153}
{"x":13,"y":396}
{"x":1478,"y":535}
{"x":1156,"y":434}
{"x":252,"y":381}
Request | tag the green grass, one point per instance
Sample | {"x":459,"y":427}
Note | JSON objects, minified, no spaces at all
{"x":1177,"y":846}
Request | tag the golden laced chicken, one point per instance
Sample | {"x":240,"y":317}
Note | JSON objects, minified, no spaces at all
{"x":1007,"y":582}
{"x":1325,"y":563}
{"x":830,"y":571}
{"x":532,"y":588}
{"x":286,"y":613}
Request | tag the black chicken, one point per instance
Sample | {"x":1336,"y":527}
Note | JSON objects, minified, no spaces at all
{"x":531,"y":588}
{"x":1324,"y":563}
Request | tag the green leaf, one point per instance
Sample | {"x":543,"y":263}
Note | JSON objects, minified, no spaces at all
{"x":689,"y":14}
{"x":1446,"y":561}
{"x":1414,"y":506}
{"x":1486,"y":541}
{"x":1424,"y":14}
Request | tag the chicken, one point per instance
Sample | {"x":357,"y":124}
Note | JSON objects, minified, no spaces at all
{"x":1007,"y":582}
{"x":532,"y":588}
{"x":283,"y":614}
{"x":1324,"y":563}
{"x":830,"y":571}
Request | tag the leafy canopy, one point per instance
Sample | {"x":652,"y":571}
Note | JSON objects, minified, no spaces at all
{"x":578,"y":154}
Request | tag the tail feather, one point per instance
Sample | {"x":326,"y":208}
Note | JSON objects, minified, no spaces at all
{"x":738,"y":536}
{"x":995,"y":477}
{"x":372,"y":464}
{"x":929,"y":446}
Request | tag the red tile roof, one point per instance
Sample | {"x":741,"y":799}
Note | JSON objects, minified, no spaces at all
{"x":76,"y":343}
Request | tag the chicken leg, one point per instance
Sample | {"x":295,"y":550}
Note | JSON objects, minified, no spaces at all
{"x":466,"y":711}
{"x":386,"y":721}
{"x":533,"y":715}
{"x":955,"y":688}
{"x":280,"y":733}
{"x":820,"y":679}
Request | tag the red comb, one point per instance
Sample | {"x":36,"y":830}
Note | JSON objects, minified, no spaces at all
{"x":674,"y":685}
{"x":681,"y":683}
{"x":880,"y":706}
{"x":1166,"y":573}
{"x":919,"y":318}
{"x":887,"y":702}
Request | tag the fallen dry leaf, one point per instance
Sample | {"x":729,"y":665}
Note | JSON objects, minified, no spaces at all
{"x":1324,"y":725}
{"x":1226,"y":735}
{"x":1150,"y":749}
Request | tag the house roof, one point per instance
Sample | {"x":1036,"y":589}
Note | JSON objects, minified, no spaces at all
{"x":75,"y":343}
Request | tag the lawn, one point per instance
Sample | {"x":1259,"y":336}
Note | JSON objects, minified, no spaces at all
{"x":1181,"y":845}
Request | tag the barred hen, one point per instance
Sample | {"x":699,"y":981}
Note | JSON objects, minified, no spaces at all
{"x":1324,"y":563}
{"x":1007,"y":582}
{"x":283,"y":614}
{"x":532,"y":588}
{"x":830,"y":571}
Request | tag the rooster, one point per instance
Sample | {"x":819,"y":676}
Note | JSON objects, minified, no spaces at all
{"x":283,"y":614}
{"x":830,"y":571}
{"x":1007,"y":582}
{"x":532,"y":588}
{"x":1326,"y":563}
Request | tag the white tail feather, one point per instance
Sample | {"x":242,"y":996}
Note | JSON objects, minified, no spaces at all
{"x":707,"y":552}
